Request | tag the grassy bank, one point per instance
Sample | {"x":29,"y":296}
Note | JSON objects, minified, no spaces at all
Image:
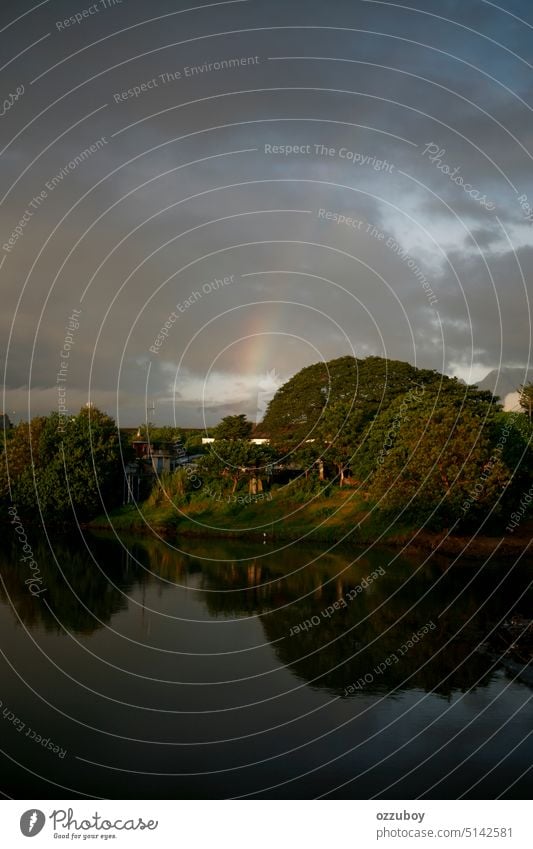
{"x":342,"y":515}
{"x":278,"y":515}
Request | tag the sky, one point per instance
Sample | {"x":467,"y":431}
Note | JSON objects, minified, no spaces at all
{"x":197,"y":200}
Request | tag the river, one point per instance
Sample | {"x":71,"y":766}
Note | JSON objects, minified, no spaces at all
{"x":233,"y":669}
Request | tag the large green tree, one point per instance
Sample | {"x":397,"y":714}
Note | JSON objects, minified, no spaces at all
{"x":295,"y":409}
{"x":406,"y":410}
{"x":234,"y":460}
{"x":444,"y":460}
{"x":338,"y":433}
{"x":233,"y":427}
{"x":21,"y":455}
{"x":159,"y":435}
{"x":358,"y":389}
{"x":59,"y":465}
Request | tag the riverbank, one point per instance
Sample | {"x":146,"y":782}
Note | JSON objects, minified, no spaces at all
{"x":343,"y":516}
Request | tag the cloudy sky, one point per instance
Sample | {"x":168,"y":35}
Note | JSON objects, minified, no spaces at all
{"x":229,"y":191}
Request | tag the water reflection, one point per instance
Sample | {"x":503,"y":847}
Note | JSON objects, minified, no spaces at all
{"x":322,"y":625}
{"x":195,"y":675}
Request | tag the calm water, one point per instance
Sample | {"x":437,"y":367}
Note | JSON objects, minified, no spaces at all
{"x":157,"y":673}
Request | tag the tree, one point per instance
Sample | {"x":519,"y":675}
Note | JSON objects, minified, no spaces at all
{"x":338,"y":432}
{"x":295,"y":409}
{"x":234,"y":459}
{"x":233,"y":427}
{"x":359,"y":389}
{"x":310,"y":457}
{"x":383,"y":429}
{"x":513,"y":433}
{"x":59,"y":465}
{"x":21,"y":454}
{"x":159,"y":435}
{"x":444,"y":461}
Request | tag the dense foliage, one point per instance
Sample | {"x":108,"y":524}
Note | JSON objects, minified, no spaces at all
{"x":445,"y":455}
{"x":319,"y":397}
{"x":526,"y":398}
{"x":57,"y":466}
{"x":234,"y":460}
{"x":160,"y":435}
{"x":233,"y":427}
{"x":418,"y":444}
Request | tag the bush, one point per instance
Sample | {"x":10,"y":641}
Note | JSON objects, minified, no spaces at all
{"x":171,"y":487}
{"x":306,"y":488}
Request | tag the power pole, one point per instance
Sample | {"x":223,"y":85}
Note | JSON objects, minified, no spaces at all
{"x":150,"y":409}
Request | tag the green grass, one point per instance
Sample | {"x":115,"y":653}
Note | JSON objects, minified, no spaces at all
{"x":290,"y":514}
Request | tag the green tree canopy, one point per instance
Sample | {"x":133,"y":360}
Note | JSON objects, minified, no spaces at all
{"x":440,"y":454}
{"x":160,"y":435}
{"x":60,"y":465}
{"x":358,"y":388}
{"x":526,"y":398}
{"x":338,"y":433}
{"x":21,"y":453}
{"x":233,"y":460}
{"x":419,"y":402}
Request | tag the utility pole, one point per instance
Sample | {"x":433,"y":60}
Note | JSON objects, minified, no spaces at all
{"x":150,"y":408}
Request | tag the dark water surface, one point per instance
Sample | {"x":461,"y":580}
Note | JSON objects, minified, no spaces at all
{"x":156,"y":673}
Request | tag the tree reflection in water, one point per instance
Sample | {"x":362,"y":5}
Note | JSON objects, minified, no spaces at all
{"x":285,"y":589}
